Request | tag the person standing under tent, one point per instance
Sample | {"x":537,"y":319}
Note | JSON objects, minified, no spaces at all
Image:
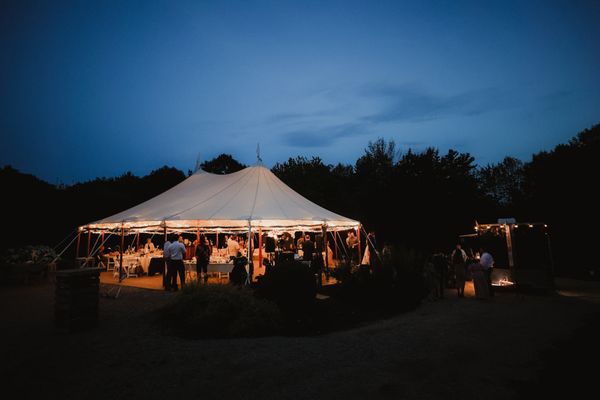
{"x":177,"y":254}
{"x":487,"y":262}
{"x":233,"y":247}
{"x":202,"y":259}
{"x":149,"y":246}
{"x":372,"y":247}
{"x":308,"y":248}
{"x":168,"y":268}
{"x":352,"y":243}
{"x":459,"y":258}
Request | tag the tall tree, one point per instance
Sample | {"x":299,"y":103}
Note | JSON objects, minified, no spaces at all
{"x":222,"y":164}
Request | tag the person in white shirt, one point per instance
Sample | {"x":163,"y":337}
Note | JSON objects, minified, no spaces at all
{"x":177,"y":254}
{"x":149,"y":246}
{"x":233,"y":247}
{"x":487,"y":262}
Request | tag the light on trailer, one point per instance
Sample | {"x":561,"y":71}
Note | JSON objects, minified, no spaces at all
{"x":530,"y":225}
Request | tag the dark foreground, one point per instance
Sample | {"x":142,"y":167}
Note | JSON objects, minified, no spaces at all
{"x":514,"y":346}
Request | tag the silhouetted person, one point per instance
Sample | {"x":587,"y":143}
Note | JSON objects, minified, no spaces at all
{"x":459,"y":258}
{"x":202,"y":259}
{"x":352,"y":243}
{"x":440,"y":265}
{"x":308,"y":248}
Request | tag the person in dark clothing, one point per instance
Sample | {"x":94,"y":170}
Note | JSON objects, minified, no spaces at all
{"x":459,"y":259}
{"x":202,"y":259}
{"x":308,"y":248}
{"x":238,"y":274}
{"x":440,"y":264}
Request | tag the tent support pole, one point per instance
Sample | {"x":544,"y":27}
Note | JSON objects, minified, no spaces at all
{"x":249,"y":251}
{"x":137,"y":242}
{"x":121,"y":253}
{"x":335,"y":244}
{"x":77,"y":247}
{"x":260,"y":255}
{"x":326,"y":250}
{"x":359,"y":246}
{"x":89,"y":242}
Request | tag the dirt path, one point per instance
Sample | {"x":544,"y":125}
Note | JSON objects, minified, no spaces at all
{"x":453,"y":348}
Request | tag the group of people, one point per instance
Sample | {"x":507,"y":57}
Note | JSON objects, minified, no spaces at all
{"x":458,"y":265}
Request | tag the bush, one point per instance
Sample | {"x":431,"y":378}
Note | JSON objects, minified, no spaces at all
{"x":29,"y":254}
{"x":220,"y":311}
{"x":292,"y":285}
{"x":390,"y":286}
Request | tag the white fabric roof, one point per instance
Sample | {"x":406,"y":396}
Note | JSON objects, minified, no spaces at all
{"x":208,"y":201}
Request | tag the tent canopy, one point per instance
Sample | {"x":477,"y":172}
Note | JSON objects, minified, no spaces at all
{"x":251,"y":198}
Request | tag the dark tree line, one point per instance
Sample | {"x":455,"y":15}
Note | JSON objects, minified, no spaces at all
{"x":419,"y":200}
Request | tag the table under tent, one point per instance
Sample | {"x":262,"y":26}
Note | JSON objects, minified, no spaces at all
{"x":252,"y":203}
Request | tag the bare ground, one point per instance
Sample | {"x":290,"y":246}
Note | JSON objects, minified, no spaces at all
{"x":513,"y":346}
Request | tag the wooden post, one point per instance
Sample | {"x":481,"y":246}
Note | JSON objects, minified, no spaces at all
{"x":198,"y":235}
{"x":102,"y":243}
{"x":359,"y":247}
{"x":137,"y":243}
{"x":217,"y":241}
{"x":121,"y":252}
{"x":260,"y":247}
{"x":89,"y":242}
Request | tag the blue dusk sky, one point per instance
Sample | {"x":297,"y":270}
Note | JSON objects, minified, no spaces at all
{"x":92,"y":89}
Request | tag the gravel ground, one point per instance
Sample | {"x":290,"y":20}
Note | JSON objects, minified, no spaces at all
{"x":513,"y":346}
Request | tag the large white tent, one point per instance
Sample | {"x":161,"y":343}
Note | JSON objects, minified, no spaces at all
{"x":248,"y":199}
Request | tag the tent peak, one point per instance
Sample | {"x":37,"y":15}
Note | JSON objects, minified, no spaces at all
{"x":258,"y":159}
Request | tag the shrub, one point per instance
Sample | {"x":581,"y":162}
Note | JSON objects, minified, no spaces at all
{"x":29,"y":254}
{"x":292,"y":285}
{"x":201,"y":311}
{"x":393,"y":285}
